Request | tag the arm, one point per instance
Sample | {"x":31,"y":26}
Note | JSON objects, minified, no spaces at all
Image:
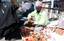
{"x":14,"y":7}
{"x":31,"y":17}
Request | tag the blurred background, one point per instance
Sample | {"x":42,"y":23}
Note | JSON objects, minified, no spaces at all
{"x":55,"y":8}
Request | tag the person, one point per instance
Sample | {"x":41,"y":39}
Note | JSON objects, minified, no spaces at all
{"x":23,"y":11}
{"x":1,"y":12}
{"x":27,"y":7}
{"x":9,"y":22}
{"x":39,"y":16}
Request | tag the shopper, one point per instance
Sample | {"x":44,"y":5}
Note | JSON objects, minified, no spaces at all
{"x":9,"y":23}
{"x":39,"y":16}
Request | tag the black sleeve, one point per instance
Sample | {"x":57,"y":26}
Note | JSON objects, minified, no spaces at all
{"x":13,"y":10}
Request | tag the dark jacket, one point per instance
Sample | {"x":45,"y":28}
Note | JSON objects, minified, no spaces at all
{"x":8,"y":22}
{"x":6,"y":18}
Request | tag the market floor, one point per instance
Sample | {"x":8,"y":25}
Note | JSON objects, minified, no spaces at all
{"x":5,"y":40}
